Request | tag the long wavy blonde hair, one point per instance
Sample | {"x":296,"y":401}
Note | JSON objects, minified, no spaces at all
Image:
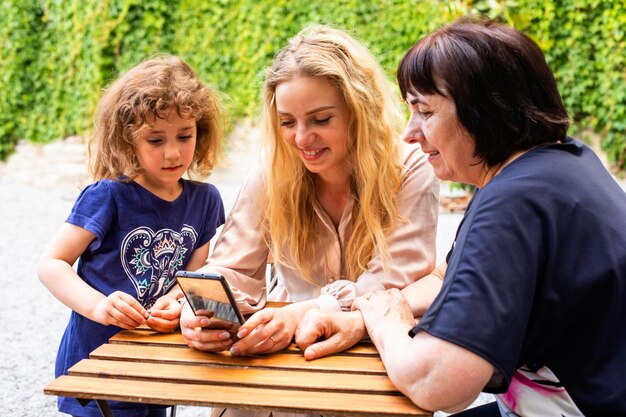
{"x":147,"y":91}
{"x":373,"y":154}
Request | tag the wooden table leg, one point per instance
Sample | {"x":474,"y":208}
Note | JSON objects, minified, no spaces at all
{"x":104,"y":408}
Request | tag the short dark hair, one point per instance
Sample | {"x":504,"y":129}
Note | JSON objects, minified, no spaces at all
{"x":504,"y":92}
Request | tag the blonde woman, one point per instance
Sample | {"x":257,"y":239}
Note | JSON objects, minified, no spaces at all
{"x":342,"y":205}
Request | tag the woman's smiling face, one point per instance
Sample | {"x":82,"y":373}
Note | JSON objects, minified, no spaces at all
{"x":450,"y":147}
{"x":314,"y":121}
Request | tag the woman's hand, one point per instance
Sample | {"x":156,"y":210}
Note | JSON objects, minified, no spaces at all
{"x":271,"y":329}
{"x":121,"y":310}
{"x":339,"y":331}
{"x":164,"y":314}
{"x":198,"y":335}
{"x":384,"y":308}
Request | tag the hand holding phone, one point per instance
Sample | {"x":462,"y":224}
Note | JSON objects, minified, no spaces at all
{"x":209,"y":295}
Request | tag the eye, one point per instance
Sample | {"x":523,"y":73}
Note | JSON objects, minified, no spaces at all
{"x":322,"y":122}
{"x":155,"y":141}
{"x":287,"y":123}
{"x":424,"y":113}
{"x":184,"y":137}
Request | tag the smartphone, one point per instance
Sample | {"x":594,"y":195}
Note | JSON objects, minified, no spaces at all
{"x":209,"y":294}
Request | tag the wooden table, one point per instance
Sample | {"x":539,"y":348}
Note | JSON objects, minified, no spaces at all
{"x":147,"y":367}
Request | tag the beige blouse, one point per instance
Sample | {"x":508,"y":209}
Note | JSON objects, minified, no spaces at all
{"x":241,"y":251}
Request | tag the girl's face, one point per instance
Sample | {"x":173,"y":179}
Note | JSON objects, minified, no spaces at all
{"x":450,"y":147}
{"x":165,"y":152}
{"x":314,"y":121}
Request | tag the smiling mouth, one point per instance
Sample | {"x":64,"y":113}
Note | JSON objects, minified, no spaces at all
{"x":432,"y":155}
{"x":311,"y":153}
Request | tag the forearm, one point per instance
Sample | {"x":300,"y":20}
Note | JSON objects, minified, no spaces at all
{"x":422,"y":367}
{"x":433,"y":373}
{"x":403,"y":367}
{"x":63,"y":282}
{"x":421,"y":294}
{"x":299,"y":309}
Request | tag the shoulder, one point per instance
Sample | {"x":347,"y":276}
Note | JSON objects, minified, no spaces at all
{"x":101,"y":189}
{"x":97,"y":206}
{"x":202,"y":188}
{"x":104,"y":185}
{"x":545,"y":175}
{"x":202,"y":197}
{"x":255,"y":184}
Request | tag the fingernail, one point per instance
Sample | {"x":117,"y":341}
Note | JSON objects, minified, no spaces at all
{"x":234,"y":351}
{"x":204,"y":322}
{"x":224,"y":335}
{"x":242,"y":333}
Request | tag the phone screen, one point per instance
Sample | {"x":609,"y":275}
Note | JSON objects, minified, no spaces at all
{"x":209,"y":293}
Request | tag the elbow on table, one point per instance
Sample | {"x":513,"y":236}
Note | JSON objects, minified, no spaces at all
{"x":430,"y":389}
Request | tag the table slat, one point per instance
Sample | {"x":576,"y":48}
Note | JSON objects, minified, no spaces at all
{"x":163,"y":354}
{"x":339,"y":404}
{"x":266,"y":378}
{"x":150,"y":337}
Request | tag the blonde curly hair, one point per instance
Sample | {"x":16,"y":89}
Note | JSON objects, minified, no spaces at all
{"x":149,"y":91}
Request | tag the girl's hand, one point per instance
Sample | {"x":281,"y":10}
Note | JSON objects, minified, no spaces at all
{"x":198,"y":336}
{"x":270,"y":329}
{"x":164,"y":315}
{"x":121,"y":310}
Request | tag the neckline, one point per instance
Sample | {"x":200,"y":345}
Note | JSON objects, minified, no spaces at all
{"x":182,"y":182}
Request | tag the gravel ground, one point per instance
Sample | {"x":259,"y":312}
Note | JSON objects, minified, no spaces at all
{"x":38,"y":186}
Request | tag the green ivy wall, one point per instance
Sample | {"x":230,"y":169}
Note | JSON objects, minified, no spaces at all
{"x":56,"y":56}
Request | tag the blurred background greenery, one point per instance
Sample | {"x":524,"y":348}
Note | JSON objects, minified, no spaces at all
{"x":56,"y":56}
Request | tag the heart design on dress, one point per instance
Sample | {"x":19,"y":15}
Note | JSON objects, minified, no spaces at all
{"x":151,"y":259}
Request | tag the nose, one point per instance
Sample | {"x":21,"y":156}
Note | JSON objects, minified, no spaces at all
{"x":413,"y":131}
{"x":171,"y":152}
{"x":304,"y":136}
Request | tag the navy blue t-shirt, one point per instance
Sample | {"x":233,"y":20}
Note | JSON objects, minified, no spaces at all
{"x":141,"y":242}
{"x":537,"y":276}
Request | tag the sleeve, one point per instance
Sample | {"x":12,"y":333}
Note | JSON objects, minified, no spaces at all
{"x":214,"y":215}
{"x":488,"y":291}
{"x":94,"y":210}
{"x":241,"y":251}
{"x":411,"y":243}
